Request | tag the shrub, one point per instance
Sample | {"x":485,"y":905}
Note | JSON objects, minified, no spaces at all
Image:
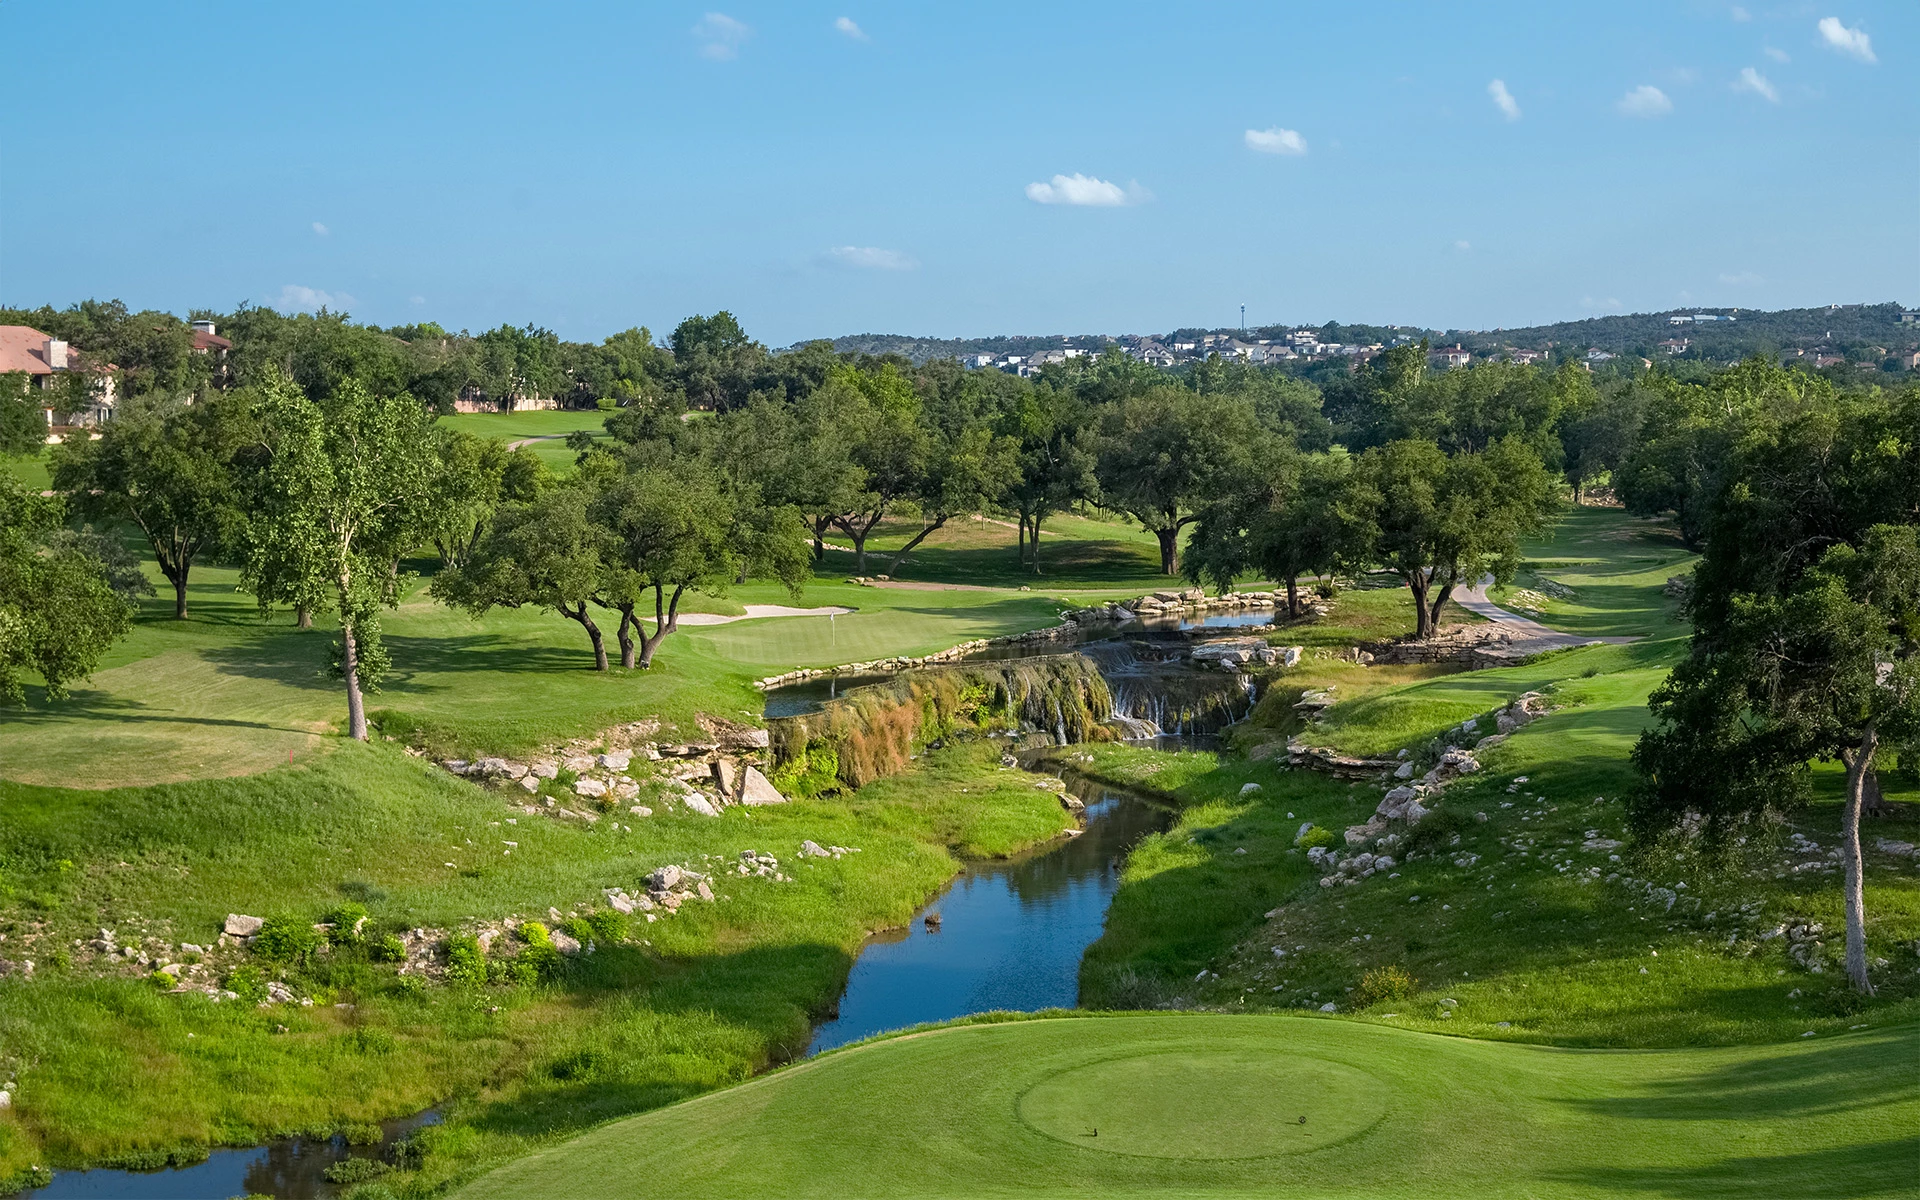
{"x":515,"y":971}
{"x":409,"y":985}
{"x":286,"y":939}
{"x":577,"y":1067}
{"x":248,"y":983}
{"x":466,"y":962}
{"x":1382,"y":984}
{"x":349,"y":923}
{"x":542,"y":960}
{"x":1319,"y":835}
{"x":386,"y":947}
{"x":1326,"y":589}
{"x":355,"y":1170}
{"x":533,"y":933}
{"x":564,"y":778}
{"x":363,"y":1134}
{"x":609,"y":926}
{"x":371,"y":1191}
{"x":579,"y":930}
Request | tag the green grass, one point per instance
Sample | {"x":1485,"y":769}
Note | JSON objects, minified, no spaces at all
{"x":1198,"y":1106}
{"x":34,"y":470}
{"x":107,"y":1064}
{"x":1615,"y":566}
{"x":1075,"y":552}
{"x":514,"y":426}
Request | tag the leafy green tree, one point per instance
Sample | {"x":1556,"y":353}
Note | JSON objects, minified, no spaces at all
{"x":1166,"y":453}
{"x":476,"y":476}
{"x":1442,"y":521}
{"x":965,"y":473}
{"x":672,"y":531}
{"x":1301,"y":521}
{"x":23,"y":421}
{"x":548,"y":552}
{"x":1828,"y":668}
{"x":879,"y":416}
{"x":1599,"y":429}
{"x":167,"y":466}
{"x":716,"y":365}
{"x":1058,"y":458}
{"x":339,"y":489}
{"x":58,"y":608}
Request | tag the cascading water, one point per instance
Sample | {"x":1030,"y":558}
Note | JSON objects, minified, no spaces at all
{"x":1155,"y":694}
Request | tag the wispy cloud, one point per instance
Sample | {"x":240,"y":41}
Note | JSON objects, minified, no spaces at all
{"x":871,"y":258}
{"x":1847,"y":41}
{"x":295,"y":297}
{"x":1644,"y":101}
{"x":1276,"y":141}
{"x":1753,"y":81}
{"x":1777,"y":55}
{"x":1086,"y":191}
{"x":848,"y":26}
{"x":1463,"y":245}
{"x":416,"y":299}
{"x":1503,"y":99}
{"x":320,"y":229}
{"x":1741,"y":278}
{"x":720,"y":36}
{"x":1739,"y":14}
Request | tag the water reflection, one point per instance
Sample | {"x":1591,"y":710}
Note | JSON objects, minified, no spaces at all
{"x":1011,"y":932}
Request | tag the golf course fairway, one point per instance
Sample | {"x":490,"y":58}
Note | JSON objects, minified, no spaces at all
{"x":1212,"y":1105}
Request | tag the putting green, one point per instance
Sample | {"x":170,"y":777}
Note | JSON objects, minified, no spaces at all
{"x":1209,"y":1105}
{"x":1170,"y":1105}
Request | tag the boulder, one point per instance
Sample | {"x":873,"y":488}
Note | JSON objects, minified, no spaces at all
{"x":578,"y":763}
{"x":664,"y":879}
{"x":757,"y":790}
{"x":589,"y":787}
{"x":705,"y":892}
{"x":619,"y":901}
{"x":565,"y":943}
{"x":1405,"y":771}
{"x":727,"y":777}
{"x":616,"y":760}
{"x":1247,"y":788}
{"x":1290,"y":656}
{"x":640,"y":810}
{"x":701,"y":805}
{"x":545,"y":768}
{"x":239,"y":925}
{"x":813,"y":849}
{"x":530,"y":783}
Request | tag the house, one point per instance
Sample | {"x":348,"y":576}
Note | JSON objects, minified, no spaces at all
{"x":1822,"y":361}
{"x":43,"y":360}
{"x":1674,"y":346}
{"x":1908,"y":316}
{"x":1680,"y":320}
{"x":1597,"y":355}
{"x":1450,"y":356}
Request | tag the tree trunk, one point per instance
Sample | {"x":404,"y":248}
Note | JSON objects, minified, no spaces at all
{"x":625,"y":635}
{"x":1438,"y":605}
{"x":356,"y":704}
{"x":1022,"y":542}
{"x":1169,"y":549}
{"x":593,"y":633}
{"x":180,"y":596}
{"x":1859,"y":762}
{"x":664,"y":623}
{"x":926,"y":530}
{"x":1293,"y":596}
{"x":1033,"y":543}
{"x":303,"y":617}
{"x":1422,"y":619}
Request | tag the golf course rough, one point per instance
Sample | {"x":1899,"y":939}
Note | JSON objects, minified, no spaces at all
{"x":1211,"y":1105}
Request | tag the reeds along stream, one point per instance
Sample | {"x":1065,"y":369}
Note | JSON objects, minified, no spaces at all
{"x":1123,"y":688}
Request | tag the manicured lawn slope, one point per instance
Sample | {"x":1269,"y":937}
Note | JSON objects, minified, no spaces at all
{"x":1211,"y":1106}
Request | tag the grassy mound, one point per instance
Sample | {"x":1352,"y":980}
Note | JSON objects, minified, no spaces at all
{"x":1174,"y":1105}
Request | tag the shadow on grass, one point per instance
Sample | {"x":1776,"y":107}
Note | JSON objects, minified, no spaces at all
{"x":1078,"y":561}
{"x":1850,"y":1075}
{"x":89,"y":705}
{"x":762,"y":999}
{"x":1886,"y":1168}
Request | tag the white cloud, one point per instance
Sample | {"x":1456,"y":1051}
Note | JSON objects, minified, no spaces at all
{"x":1463,"y":245}
{"x":1845,"y":40}
{"x":720,"y":36}
{"x":416,"y":299}
{"x":1644,"y":101}
{"x":847,"y":26}
{"x":1779,"y":56}
{"x":872,"y":258}
{"x":297,"y":298}
{"x":1740,"y":14}
{"x":1503,"y":99}
{"x":1085,"y":191}
{"x":320,"y":229}
{"x":1276,"y":141}
{"x":1753,"y":81}
{"x":1741,"y":278}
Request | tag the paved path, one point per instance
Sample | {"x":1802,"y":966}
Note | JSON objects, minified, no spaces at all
{"x":1526,"y":632}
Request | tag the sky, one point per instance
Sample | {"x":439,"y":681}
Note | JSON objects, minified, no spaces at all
{"x":960,"y":170}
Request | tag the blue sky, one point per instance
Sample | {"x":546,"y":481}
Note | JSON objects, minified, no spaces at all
{"x":961,"y":170}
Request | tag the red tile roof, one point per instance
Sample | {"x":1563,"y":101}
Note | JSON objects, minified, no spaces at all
{"x":23,"y":348}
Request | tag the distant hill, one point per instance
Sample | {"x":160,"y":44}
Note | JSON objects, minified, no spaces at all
{"x":1848,"y":329}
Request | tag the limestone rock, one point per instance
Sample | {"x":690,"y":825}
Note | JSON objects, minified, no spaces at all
{"x":757,"y":790}
{"x":530,"y":783}
{"x":727,"y":777}
{"x":239,"y":925}
{"x":589,"y":787}
{"x":813,"y":849}
{"x":578,"y":763}
{"x":565,"y":943}
{"x":1405,"y":771}
{"x":618,"y":900}
{"x":545,"y":768}
{"x":616,"y":760}
{"x":701,"y":805}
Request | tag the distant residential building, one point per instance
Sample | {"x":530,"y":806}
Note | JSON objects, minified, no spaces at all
{"x":1597,"y":355}
{"x":43,"y":359}
{"x":1528,"y":358}
{"x":1680,"y":320}
{"x":1702,"y":318}
{"x":1823,"y":361}
{"x":1675,"y":345}
{"x":1450,"y":356}
{"x":1908,"y":316}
